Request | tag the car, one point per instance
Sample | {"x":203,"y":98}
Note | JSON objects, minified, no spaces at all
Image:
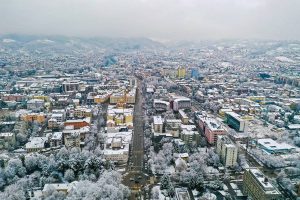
{"x":139,"y":177}
{"x":131,"y":179}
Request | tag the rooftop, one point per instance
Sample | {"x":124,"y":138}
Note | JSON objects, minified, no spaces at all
{"x":157,"y":120}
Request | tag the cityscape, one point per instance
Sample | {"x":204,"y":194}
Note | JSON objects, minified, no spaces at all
{"x":113,"y":118}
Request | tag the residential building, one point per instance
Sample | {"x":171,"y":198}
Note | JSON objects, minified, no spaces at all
{"x":36,"y":144}
{"x":56,"y":139}
{"x":78,"y":123}
{"x":35,"y":104}
{"x":258,"y":187}
{"x":190,"y":137}
{"x":211,"y":128}
{"x":184,"y":118}
{"x":70,"y":86}
{"x":181,"y":103}
{"x":227,"y":151}
{"x":34,"y":117}
{"x":157,"y":124}
{"x":160,"y":105}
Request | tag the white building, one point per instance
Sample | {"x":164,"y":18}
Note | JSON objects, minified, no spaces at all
{"x":227,"y":151}
{"x":181,"y":103}
{"x":161,"y":105}
{"x":158,"y":124}
{"x":36,"y":144}
{"x":117,"y":147}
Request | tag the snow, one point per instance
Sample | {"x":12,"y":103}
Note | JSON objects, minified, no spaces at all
{"x":170,"y":170}
{"x":7,"y":40}
{"x":283,"y":59}
{"x":157,"y":188}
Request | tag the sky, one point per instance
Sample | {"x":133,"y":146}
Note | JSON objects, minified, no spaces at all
{"x":155,"y":19}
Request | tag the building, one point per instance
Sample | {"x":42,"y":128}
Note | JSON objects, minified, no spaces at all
{"x":72,"y":140}
{"x":119,"y":117}
{"x":160,"y":105}
{"x":227,"y":151}
{"x":35,"y":104}
{"x":81,"y":112}
{"x":236,"y":122}
{"x":78,"y":123}
{"x":181,"y":72}
{"x":184,"y":118}
{"x":36,"y":144}
{"x":117,"y":146}
{"x":190,"y":137}
{"x":182,"y":193}
{"x":211,"y":129}
{"x":274,"y":147}
{"x":181,"y":103}
{"x":98,"y":99}
{"x":58,"y":116}
{"x":60,"y":187}
{"x":75,"y":137}
{"x":195,"y":73}
{"x":258,"y":99}
{"x":56,"y":139}
{"x":173,"y":127}
{"x":7,"y":140}
{"x":34,"y":117}
{"x":13,"y":97}
{"x":258,"y":187}
{"x":53,"y":124}
{"x":157,"y":124}
{"x":70,"y":86}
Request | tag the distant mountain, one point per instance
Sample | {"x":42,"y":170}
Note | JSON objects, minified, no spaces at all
{"x":61,"y":43}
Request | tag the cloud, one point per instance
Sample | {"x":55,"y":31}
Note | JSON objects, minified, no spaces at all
{"x":163,"y":19}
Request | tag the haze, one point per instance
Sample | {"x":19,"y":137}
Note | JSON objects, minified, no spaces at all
{"x":156,"y":19}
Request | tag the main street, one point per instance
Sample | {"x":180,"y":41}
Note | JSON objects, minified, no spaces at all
{"x":135,"y":179}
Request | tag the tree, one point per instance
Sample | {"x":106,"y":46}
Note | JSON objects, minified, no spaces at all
{"x":165,"y":181}
{"x":155,"y":193}
{"x":69,"y":175}
{"x":171,"y":190}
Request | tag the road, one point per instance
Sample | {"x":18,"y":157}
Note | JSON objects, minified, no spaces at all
{"x":135,"y":179}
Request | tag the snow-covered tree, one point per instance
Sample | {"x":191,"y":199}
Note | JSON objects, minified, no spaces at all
{"x":69,"y":175}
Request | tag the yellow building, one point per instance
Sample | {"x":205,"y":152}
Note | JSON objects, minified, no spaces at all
{"x":128,"y":118}
{"x":82,"y":112}
{"x":37,"y":117}
{"x":42,"y":97}
{"x":181,"y":72}
{"x":258,"y":99}
{"x":119,"y":116}
{"x":101,"y":98}
{"x":116,"y":98}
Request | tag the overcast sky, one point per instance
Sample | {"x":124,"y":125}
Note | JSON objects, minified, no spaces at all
{"x":157,"y":19}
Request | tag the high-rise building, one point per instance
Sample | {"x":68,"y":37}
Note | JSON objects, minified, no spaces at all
{"x":227,"y":151}
{"x":236,"y":122}
{"x":181,"y":72}
{"x":257,"y":186}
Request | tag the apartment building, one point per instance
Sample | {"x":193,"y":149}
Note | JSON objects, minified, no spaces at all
{"x":227,"y":151}
{"x":258,"y":187}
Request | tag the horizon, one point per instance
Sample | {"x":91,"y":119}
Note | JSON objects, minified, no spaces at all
{"x":159,"y":20}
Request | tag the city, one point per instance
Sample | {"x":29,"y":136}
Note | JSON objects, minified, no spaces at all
{"x":135,"y":118}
